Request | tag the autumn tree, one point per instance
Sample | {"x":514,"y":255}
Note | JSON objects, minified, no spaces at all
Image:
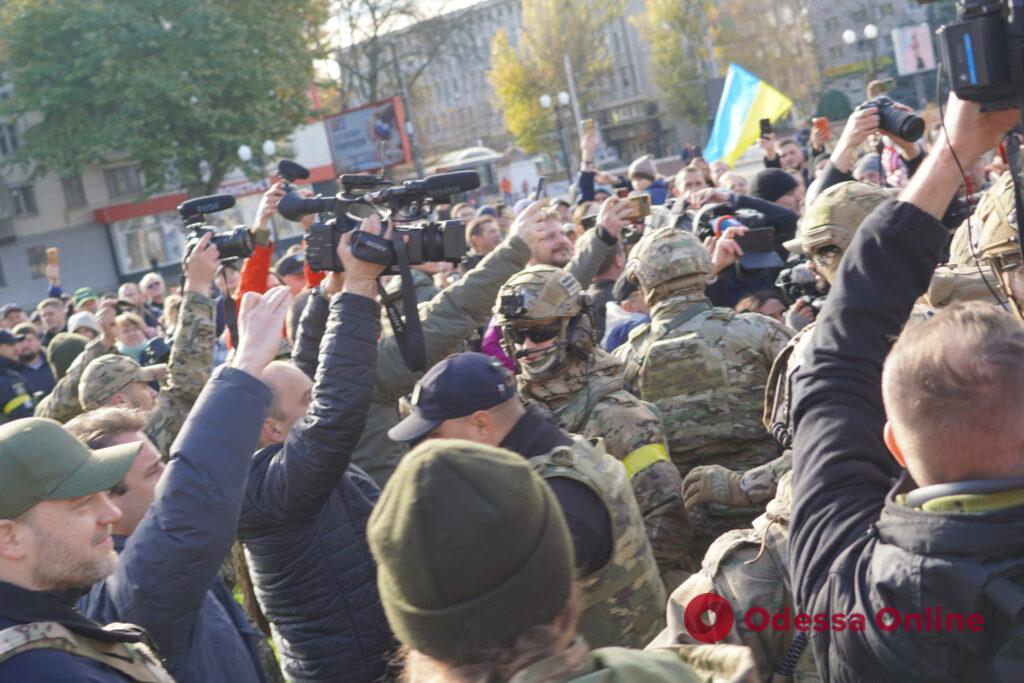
{"x":521,"y":73}
{"x":174,"y":85}
{"x":676,"y":31}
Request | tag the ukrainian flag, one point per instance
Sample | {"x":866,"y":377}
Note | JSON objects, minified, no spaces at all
{"x":746,"y":99}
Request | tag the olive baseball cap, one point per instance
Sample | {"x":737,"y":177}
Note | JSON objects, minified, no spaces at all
{"x":40,"y":461}
{"x":83,"y":294}
{"x":109,"y":374}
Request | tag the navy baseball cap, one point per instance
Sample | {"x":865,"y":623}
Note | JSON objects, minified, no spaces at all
{"x":7,"y":337}
{"x":458,"y":386}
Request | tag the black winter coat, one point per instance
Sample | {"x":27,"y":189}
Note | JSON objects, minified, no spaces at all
{"x":304,"y":518}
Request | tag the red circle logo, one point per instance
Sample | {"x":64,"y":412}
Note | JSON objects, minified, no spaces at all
{"x":717,"y":606}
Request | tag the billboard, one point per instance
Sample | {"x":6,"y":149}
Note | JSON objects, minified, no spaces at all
{"x":913,"y":49}
{"x":355,"y":137}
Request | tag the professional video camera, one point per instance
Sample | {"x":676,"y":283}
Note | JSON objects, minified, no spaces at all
{"x":904,"y":124}
{"x":758,"y":243}
{"x":236,"y":243}
{"x":361,"y":195}
{"x":799,"y":283}
{"x":983,"y":52}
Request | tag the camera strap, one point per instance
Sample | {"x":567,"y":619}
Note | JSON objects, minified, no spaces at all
{"x":408,"y":332}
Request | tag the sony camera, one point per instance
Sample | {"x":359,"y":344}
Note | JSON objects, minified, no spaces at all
{"x":983,"y":52}
{"x":408,"y":207}
{"x":235,"y":243}
{"x":904,"y":124}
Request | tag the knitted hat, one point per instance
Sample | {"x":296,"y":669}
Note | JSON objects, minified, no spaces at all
{"x":471,"y":548}
{"x":643,"y":168}
{"x":868,"y":162}
{"x":772,"y":183}
{"x":62,"y":352}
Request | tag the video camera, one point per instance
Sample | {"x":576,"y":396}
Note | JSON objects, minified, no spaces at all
{"x":361,"y":195}
{"x":236,"y":243}
{"x":758,"y":243}
{"x":983,"y":52}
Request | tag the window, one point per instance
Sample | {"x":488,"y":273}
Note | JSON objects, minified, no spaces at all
{"x":74,"y":193}
{"x":37,"y":261}
{"x":835,"y":52}
{"x":24,"y":200}
{"x":885,"y":10}
{"x":831,"y":24}
{"x":860,"y":15}
{"x":123,"y":181}
{"x":8,"y":139}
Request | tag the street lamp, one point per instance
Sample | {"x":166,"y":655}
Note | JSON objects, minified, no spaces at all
{"x":563,"y":101}
{"x":870,"y":32}
{"x":264,"y":162}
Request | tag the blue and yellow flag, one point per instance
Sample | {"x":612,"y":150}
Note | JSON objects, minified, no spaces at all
{"x":746,"y":99}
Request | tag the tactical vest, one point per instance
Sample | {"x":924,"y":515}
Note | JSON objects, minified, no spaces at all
{"x":624,"y":601}
{"x":778,"y":395}
{"x":707,"y":392}
{"x":750,"y":568}
{"x":574,"y":415}
{"x":134,"y":660}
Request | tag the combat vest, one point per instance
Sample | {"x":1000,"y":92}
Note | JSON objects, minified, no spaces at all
{"x":624,"y":601}
{"x":698,"y":372}
{"x":750,"y":568}
{"x":134,"y":660}
{"x":585,"y":383}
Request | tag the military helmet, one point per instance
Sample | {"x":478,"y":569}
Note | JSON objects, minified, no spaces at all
{"x":834,"y":216}
{"x":995,"y":221}
{"x":668,"y":259}
{"x":539,"y":293}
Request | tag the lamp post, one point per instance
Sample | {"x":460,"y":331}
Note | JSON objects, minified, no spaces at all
{"x":870,"y":32}
{"x":269,"y":149}
{"x":562,"y":101}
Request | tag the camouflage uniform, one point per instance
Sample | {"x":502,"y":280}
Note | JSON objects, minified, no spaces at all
{"x":705,"y":368}
{"x":998,"y":246}
{"x":750,"y":568}
{"x":580,"y":387}
{"x":679,"y":664}
{"x":623,"y":602}
{"x":134,"y":659}
{"x":62,"y":403}
{"x":187,"y":372}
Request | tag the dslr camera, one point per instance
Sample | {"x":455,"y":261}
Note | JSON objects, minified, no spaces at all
{"x":407,"y":206}
{"x":235,"y":243}
{"x":983,"y":52}
{"x":903,"y":124}
{"x":799,"y":283}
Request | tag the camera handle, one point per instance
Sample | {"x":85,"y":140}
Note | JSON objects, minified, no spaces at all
{"x":408,"y":332}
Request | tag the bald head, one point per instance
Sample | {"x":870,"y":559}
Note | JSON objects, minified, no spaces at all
{"x":953,"y":387}
{"x":292,"y":391}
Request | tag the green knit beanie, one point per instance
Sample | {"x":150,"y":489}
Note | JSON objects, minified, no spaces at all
{"x":62,"y":352}
{"x":471,"y":548}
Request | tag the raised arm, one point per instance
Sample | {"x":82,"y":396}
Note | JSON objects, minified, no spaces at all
{"x":593,"y":247}
{"x":173,"y":556}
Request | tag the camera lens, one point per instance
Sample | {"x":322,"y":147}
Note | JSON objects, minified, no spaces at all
{"x":235,"y":244}
{"x":905,"y":124}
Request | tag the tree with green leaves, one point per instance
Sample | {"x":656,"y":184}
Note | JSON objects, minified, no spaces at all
{"x":521,"y":73}
{"x":174,"y":85}
{"x":676,"y":30}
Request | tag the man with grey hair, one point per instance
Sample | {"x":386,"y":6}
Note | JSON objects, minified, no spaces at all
{"x":933,"y":565}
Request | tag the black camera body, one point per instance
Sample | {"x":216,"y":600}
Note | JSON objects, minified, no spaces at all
{"x":983,"y":52}
{"x":706,"y":223}
{"x":798,"y":283}
{"x":407,"y":205}
{"x":904,"y":124}
{"x":235,"y":243}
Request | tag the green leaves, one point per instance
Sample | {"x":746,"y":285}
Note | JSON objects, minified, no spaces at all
{"x":165,"y":83}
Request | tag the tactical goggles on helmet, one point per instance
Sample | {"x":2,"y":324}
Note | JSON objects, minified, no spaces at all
{"x":538,"y":334}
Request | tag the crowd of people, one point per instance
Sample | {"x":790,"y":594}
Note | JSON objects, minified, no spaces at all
{"x":693,"y":428}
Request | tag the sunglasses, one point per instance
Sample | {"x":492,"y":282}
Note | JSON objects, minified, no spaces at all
{"x":538,"y":335}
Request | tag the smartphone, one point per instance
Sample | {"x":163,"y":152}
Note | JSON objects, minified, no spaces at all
{"x":52,"y":256}
{"x":766,"y":127}
{"x":587,"y":125}
{"x":820,"y":123}
{"x":884,"y":85}
{"x":641,"y":203}
{"x":540,"y":188}
{"x":622,"y":192}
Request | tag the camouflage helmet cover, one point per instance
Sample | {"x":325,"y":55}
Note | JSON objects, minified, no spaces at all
{"x":997,"y":217}
{"x":667,"y":254}
{"x":834,"y":216}
{"x":539,"y":293}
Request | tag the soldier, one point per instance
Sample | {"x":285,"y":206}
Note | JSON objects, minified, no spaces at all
{"x":473,"y":396}
{"x":704,"y":368}
{"x":15,"y":397}
{"x":116,"y":380}
{"x":494,"y":600}
{"x":545,"y":320}
{"x":998,"y":244}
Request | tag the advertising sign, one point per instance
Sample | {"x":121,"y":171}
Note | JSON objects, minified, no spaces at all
{"x":356,"y":135}
{"x":913,"y":48}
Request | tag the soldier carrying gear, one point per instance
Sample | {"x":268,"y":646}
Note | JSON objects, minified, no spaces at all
{"x":995,"y":225}
{"x":15,"y":396}
{"x":545,"y":321}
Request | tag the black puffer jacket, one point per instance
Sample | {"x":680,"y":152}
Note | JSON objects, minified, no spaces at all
{"x":304,"y":518}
